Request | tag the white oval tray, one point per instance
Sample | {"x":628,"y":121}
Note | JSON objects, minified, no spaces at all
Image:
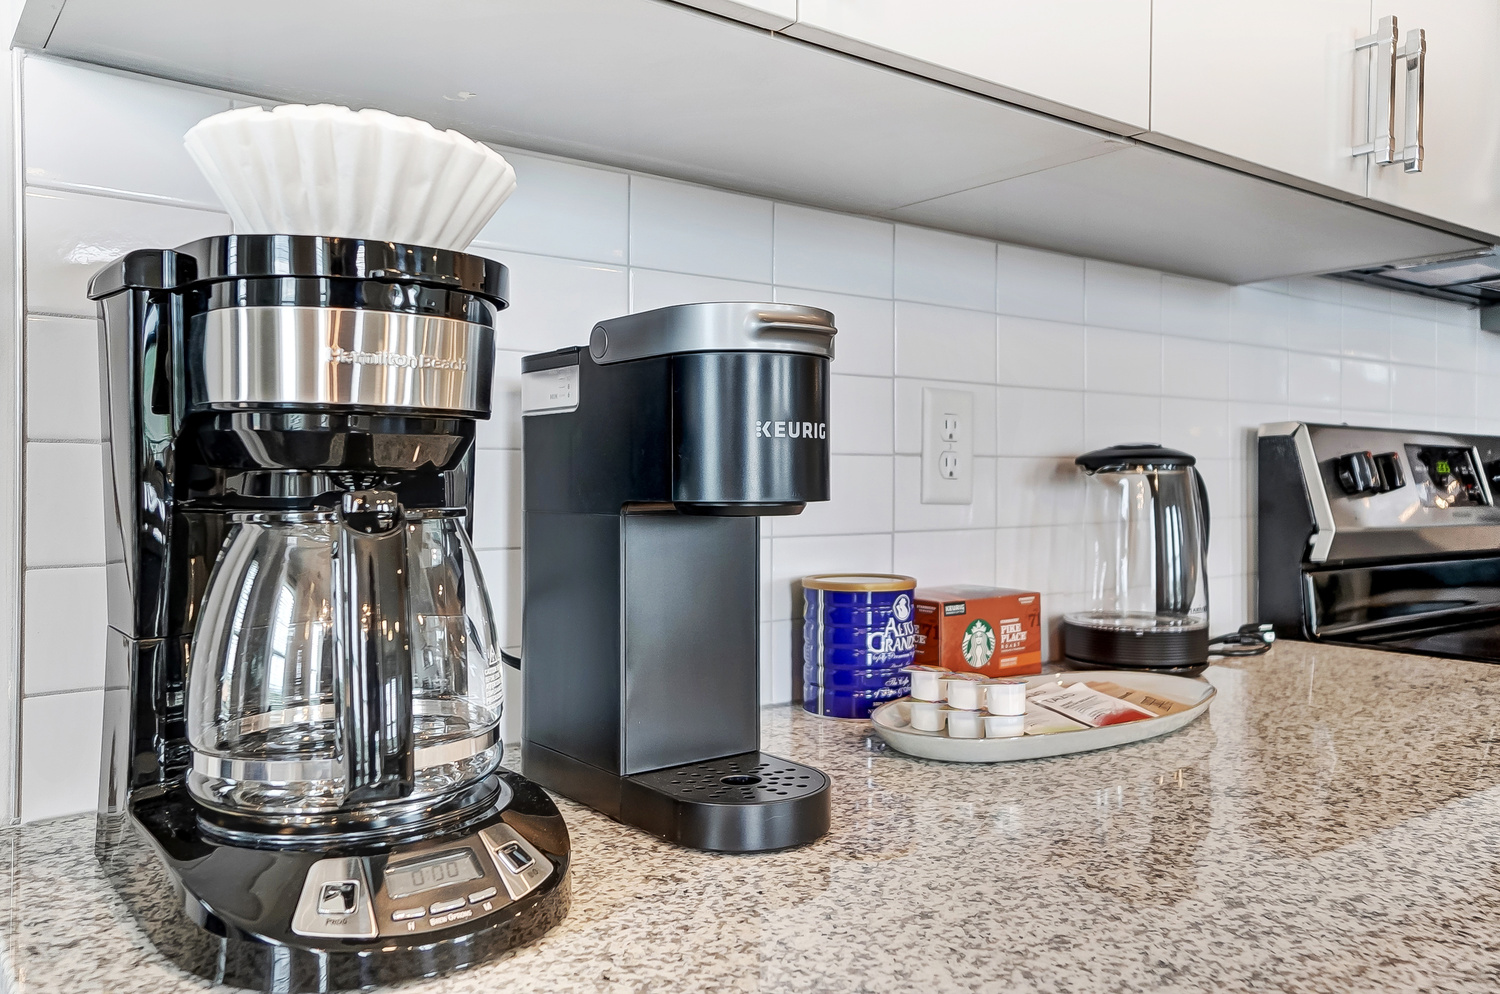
{"x":891,"y":721}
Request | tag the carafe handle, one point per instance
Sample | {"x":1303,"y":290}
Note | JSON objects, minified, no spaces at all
{"x":372,"y":674}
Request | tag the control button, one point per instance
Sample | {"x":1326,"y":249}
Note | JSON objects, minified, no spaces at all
{"x":1356,"y":472}
{"x":406,"y":913}
{"x":1388,"y":472}
{"x":439,"y":907}
{"x":338,"y":897}
{"x":516,"y":859}
{"x":482,"y":895}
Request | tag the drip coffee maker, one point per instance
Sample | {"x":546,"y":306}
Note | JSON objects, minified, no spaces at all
{"x":1146,"y":550}
{"x":302,"y":728}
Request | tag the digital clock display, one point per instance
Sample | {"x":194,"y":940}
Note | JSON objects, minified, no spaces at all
{"x":1446,"y":476}
{"x":416,"y":876}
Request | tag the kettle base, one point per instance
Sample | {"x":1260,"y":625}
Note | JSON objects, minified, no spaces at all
{"x":1160,"y":650}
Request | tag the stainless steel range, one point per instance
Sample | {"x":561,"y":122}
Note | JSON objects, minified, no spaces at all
{"x":1381,"y":538}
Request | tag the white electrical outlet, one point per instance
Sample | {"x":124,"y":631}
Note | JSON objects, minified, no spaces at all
{"x":947,"y":446}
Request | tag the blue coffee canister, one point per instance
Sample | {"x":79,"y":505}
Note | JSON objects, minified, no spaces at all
{"x":857,"y":635}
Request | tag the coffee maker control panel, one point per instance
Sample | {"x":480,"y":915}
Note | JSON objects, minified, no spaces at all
{"x":419,"y":890}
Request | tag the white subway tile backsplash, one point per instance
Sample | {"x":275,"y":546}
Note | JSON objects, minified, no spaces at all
{"x":934,"y":342}
{"x":1315,"y":325}
{"x":1039,"y":422}
{"x":501,"y":569}
{"x":61,"y":737}
{"x":562,"y":209}
{"x":937,"y":267}
{"x":1116,"y":419}
{"x":497,"y":499}
{"x":795,"y":557}
{"x":1457,"y":347}
{"x":783,"y":673}
{"x":1366,"y":385}
{"x":71,"y":236}
{"x":827,"y":251}
{"x":861,"y":502}
{"x":1457,"y":388}
{"x":1035,"y":353}
{"x":64,"y":626}
{"x":1200,"y":427}
{"x":1260,"y":316}
{"x":555,"y":303}
{"x":64,"y":504}
{"x":111,"y":133}
{"x":1123,"y":361}
{"x":941,"y":557}
{"x":1413,"y":340}
{"x":62,"y":380}
{"x":866,"y":340}
{"x":1195,"y":369}
{"x":1031,"y":283}
{"x":1197,"y":308}
{"x":695,"y":229}
{"x":1314,"y":380}
{"x":1366,"y":334}
{"x":1037,"y":490}
{"x":861,"y":418}
{"x":1260,"y":374}
{"x":1116,"y":296}
{"x":651,"y":288}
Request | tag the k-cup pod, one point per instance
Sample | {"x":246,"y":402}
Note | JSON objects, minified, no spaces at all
{"x":1004,"y":726}
{"x":1005,"y":697}
{"x":926,"y":682}
{"x":965,"y":691}
{"x":965,"y":724}
{"x":927,"y":716}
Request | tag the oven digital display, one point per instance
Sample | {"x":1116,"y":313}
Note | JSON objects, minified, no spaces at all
{"x":1445,"y":476}
{"x":426,"y":873}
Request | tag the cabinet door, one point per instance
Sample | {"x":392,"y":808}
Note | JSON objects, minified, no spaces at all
{"x":1089,"y":56}
{"x":1460,"y":178}
{"x":1269,"y":83}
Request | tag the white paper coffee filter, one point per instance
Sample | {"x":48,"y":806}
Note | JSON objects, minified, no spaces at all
{"x":327,"y":170}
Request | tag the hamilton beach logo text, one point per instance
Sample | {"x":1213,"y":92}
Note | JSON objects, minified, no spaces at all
{"x":351,"y":357}
{"x":791,"y":429}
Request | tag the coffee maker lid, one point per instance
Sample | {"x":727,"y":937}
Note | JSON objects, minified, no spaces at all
{"x":233,"y":257}
{"x":1134,"y":455}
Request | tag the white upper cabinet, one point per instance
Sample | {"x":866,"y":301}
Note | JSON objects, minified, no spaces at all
{"x":1088,"y":60}
{"x":1273,"y":84}
{"x":1460,"y":177}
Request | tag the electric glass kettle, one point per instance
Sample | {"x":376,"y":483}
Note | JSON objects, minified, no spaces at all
{"x":345,"y":666}
{"x":1146,"y":556}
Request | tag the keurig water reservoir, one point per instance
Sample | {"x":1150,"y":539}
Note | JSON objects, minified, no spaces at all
{"x":650,"y":456}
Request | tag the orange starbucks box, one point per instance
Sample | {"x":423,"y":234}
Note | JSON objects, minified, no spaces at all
{"x":989,"y":630}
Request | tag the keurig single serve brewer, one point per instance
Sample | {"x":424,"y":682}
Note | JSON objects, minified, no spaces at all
{"x":302,"y":729}
{"x":649,"y":456}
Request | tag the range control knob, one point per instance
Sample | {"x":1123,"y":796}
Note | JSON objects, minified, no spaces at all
{"x":1357,"y":473}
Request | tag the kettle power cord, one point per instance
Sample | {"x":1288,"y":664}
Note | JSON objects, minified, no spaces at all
{"x":1253,"y":639}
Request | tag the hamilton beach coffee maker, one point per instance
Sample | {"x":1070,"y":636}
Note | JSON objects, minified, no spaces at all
{"x":302,"y":722}
{"x":650,"y":455}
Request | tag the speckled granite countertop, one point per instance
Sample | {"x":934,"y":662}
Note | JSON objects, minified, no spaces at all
{"x":1332,"y":825}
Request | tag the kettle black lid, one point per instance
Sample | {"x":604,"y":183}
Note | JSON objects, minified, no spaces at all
{"x":1132,"y":455}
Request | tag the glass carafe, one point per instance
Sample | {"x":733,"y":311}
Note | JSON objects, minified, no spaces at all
{"x":344,"y":664}
{"x":1146,"y":557}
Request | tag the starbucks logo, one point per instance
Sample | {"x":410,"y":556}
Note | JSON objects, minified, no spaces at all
{"x":902,"y":607}
{"x":979,"y":643}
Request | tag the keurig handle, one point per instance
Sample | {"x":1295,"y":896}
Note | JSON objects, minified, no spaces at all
{"x":372,"y":668}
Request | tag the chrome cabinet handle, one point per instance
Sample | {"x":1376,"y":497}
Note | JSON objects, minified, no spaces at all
{"x":1415,"y":54}
{"x":1382,"y":124}
{"x":1382,"y":142}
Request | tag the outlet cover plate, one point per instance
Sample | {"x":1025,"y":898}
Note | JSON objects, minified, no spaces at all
{"x":947,"y":446}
